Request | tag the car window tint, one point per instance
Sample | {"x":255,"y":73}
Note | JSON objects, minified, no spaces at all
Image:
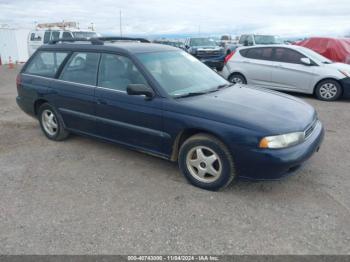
{"x":287,"y":55}
{"x":266,"y":53}
{"x":67,"y":35}
{"x":81,"y":68}
{"x":117,"y":72}
{"x":254,"y":53}
{"x":45,"y":63}
{"x":47,"y":36}
{"x":55,"y":35}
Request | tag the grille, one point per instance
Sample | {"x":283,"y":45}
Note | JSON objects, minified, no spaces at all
{"x":209,"y":53}
{"x":310,"y":129}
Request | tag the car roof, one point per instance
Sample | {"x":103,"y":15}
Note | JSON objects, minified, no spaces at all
{"x":125,"y":47}
{"x":279,"y":45}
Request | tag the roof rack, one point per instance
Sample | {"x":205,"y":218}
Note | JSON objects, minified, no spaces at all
{"x":99,"y":40}
{"x":94,"y":41}
{"x":120,"y":38}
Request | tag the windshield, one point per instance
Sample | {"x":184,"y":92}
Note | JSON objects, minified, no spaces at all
{"x":84,"y":34}
{"x":180,"y":74}
{"x":316,"y":56}
{"x":267,"y":40}
{"x":202,"y":42}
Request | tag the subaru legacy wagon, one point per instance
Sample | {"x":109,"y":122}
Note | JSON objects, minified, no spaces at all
{"x":160,"y":100}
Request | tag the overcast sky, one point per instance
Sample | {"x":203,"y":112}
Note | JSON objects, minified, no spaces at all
{"x":283,"y":17}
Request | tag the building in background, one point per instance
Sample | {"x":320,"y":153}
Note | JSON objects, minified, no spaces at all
{"x":13,"y":45}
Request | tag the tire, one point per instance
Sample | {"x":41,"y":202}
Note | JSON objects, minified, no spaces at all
{"x":206,"y":162}
{"x":237,"y":79}
{"x":51,"y":123}
{"x":328,"y":90}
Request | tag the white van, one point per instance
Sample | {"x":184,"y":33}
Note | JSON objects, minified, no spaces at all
{"x":54,"y":31}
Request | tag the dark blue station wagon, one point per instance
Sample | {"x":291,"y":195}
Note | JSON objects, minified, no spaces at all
{"x":161,"y":100}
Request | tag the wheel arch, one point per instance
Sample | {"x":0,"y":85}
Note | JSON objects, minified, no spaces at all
{"x":37,"y":105}
{"x":238,"y":73}
{"x":327,"y":78}
{"x":187,"y":133}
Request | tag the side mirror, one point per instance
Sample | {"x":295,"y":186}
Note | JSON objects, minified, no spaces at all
{"x":140,"y":89}
{"x":306,"y":61}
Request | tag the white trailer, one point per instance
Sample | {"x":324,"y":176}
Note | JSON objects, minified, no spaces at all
{"x":13,"y":44}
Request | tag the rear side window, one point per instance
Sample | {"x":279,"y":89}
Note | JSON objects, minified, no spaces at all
{"x":55,"y":35}
{"x":264,"y":53}
{"x":81,"y":68}
{"x":67,"y":35}
{"x":117,"y":72}
{"x":287,"y":55}
{"x":47,"y":37}
{"x":45,"y":63}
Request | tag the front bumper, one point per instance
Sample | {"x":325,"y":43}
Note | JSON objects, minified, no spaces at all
{"x":213,"y":62}
{"x":345,"y":82}
{"x":271,"y":164}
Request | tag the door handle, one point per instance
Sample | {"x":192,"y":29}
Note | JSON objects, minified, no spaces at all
{"x":101,"y":102}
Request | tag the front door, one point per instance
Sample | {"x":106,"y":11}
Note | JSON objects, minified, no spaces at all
{"x":289,"y":73}
{"x":130,"y":120}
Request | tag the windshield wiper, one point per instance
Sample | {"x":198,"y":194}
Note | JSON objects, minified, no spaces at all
{"x":190,"y":94}
{"x":224,"y":85}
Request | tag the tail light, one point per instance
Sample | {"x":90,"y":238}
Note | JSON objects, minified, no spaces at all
{"x":18,"y":79}
{"x":228,"y":57}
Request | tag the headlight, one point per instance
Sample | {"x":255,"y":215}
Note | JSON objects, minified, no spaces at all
{"x":346,"y":73}
{"x":282,"y":141}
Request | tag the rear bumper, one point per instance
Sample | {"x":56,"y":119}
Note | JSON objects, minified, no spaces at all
{"x":26,"y":105}
{"x":268,"y":164}
{"x":345,"y":82}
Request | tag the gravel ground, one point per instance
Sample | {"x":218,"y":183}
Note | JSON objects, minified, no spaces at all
{"x":83,"y":196}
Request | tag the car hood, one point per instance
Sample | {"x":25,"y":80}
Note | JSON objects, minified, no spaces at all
{"x":205,"y":48}
{"x":340,"y":66}
{"x":252,"y":108}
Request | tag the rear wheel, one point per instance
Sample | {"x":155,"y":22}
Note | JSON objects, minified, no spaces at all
{"x":328,"y":90}
{"x":206,"y":162}
{"x":237,"y":79}
{"x":51,"y":123}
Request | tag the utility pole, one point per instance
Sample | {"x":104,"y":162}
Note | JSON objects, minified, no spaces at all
{"x":120,"y":22}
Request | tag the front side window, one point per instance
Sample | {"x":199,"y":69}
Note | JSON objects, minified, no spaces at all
{"x":35,"y":37}
{"x":179,"y":73}
{"x":45,"y":63}
{"x":117,"y":72}
{"x":286,"y":55}
{"x":81,"y":68}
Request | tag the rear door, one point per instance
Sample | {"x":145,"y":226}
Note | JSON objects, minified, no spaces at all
{"x":131,"y":120}
{"x":74,"y":91}
{"x":289,"y":73}
{"x":256,"y":65}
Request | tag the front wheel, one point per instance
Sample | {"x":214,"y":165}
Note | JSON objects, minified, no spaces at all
{"x":328,"y":90}
{"x":237,"y":79}
{"x":206,"y":162}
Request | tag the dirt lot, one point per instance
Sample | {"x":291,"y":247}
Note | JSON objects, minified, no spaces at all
{"x":85,"y":196}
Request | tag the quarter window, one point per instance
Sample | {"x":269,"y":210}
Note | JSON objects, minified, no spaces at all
{"x":287,"y":55}
{"x":81,"y":68}
{"x":45,"y":63}
{"x":117,"y":72}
